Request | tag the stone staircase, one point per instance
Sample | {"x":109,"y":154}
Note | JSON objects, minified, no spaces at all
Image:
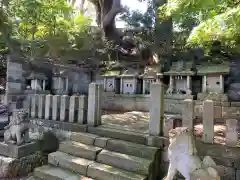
{"x":94,"y":157}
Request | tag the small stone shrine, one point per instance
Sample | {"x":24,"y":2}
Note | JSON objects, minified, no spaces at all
{"x":60,"y":82}
{"x":18,"y":155}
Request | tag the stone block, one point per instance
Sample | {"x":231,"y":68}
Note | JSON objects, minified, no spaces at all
{"x":168,"y":124}
{"x":82,"y":109}
{"x":64,"y":108}
{"x":41,"y":106}
{"x":188,"y":113}
{"x":84,"y":138}
{"x":56,"y":107}
{"x":157,"y":109}
{"x":48,"y":106}
{"x":14,"y":151}
{"x":231,"y":132}
{"x":73,"y":109}
{"x":208,"y":121}
{"x":101,"y":142}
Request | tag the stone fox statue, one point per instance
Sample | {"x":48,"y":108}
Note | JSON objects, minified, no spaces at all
{"x":183,"y":158}
{"x":17,"y":131}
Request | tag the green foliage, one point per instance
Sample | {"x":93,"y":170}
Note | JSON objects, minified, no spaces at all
{"x":214,"y":20}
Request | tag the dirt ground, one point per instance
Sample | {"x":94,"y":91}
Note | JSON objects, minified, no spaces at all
{"x":138,"y":122}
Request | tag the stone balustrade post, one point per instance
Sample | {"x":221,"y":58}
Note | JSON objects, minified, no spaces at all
{"x":73,"y":108}
{"x":82,"y":109}
{"x":56,"y":107}
{"x":94,"y":104}
{"x":34,"y":100}
{"x":208,"y":121}
{"x":64,"y":107}
{"x":27,"y":104}
{"x":48,"y":106}
{"x":156,"y":109}
{"x":41,"y":105}
{"x":231,"y":132}
{"x":188,"y":113}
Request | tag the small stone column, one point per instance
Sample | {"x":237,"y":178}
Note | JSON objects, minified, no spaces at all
{"x":204,"y":84}
{"x":27,"y":104}
{"x":171,"y":82}
{"x":44,"y":85}
{"x":221,"y":81}
{"x":188,"y":113}
{"x":73,"y":108}
{"x":231,"y":132}
{"x":105,"y":84}
{"x":82,"y":109}
{"x":94,"y":104}
{"x":121,"y":85}
{"x":34,"y":100}
{"x":64,"y":107}
{"x":156,"y":109}
{"x":208,"y":121}
{"x":41,"y":106}
{"x":56,"y":107}
{"x":189,"y":82}
{"x":48,"y":106}
{"x":144,"y":86}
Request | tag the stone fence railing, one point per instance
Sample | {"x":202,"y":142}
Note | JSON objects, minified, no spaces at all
{"x":72,"y":109}
{"x":159,"y":125}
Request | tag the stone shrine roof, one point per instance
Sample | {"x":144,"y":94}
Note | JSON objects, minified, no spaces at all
{"x":111,"y":73}
{"x":35,"y":75}
{"x":180,"y":69}
{"x":210,"y":68}
{"x":131,"y":73}
{"x":151,"y":72}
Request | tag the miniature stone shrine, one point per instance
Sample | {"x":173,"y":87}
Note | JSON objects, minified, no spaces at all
{"x":60,"y":83}
{"x":37,"y":83}
{"x":112,"y":81}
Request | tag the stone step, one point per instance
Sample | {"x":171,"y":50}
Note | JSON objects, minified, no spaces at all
{"x":80,"y":150}
{"x":48,"y":172}
{"x":118,"y":134}
{"x":33,"y":178}
{"x":104,"y":172}
{"x":133,"y":149}
{"x":72,"y":163}
{"x":126,"y":162}
{"x":85,"y":138}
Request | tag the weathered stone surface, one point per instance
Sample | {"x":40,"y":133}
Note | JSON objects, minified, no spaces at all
{"x":15,"y":151}
{"x":188,"y":113}
{"x":79,"y":149}
{"x":84,"y":138}
{"x":54,"y":173}
{"x":132,"y":149}
{"x":126,"y":162}
{"x":101,"y":142}
{"x":118,"y":134}
{"x":157,"y":141}
{"x":231,"y":132}
{"x":105,"y":172}
{"x":208,"y":121}
{"x":72,"y":163}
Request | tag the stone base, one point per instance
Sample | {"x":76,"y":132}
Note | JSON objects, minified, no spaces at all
{"x":14,"y":151}
{"x":12,"y":167}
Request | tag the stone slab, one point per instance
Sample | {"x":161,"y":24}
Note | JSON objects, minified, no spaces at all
{"x":84,"y":138}
{"x":101,"y":142}
{"x":105,"y":172}
{"x":72,"y":163}
{"x":118,"y":134}
{"x":132,"y":149}
{"x":54,"y":173}
{"x":15,"y":151}
{"x":80,"y":150}
{"x":60,"y":125}
{"x":126,"y":162}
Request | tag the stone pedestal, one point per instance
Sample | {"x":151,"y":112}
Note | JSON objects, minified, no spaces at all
{"x":14,"y":151}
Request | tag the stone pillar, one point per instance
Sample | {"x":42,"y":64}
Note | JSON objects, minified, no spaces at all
{"x":231,"y":132}
{"x":27,"y":104}
{"x":56,"y":107}
{"x":48,"y":106}
{"x":64,"y":107}
{"x":188,"y":113}
{"x":73,"y":108}
{"x":82,"y":109}
{"x":94,"y":104}
{"x":189,"y":82}
{"x":156,"y":109}
{"x":168,"y":124}
{"x":171,"y":82}
{"x":144,"y":87}
{"x":208,"y":121}
{"x":105,"y":84}
{"x":221,"y":81}
{"x":41,"y":106}
{"x":204,"y":84}
{"x":44,"y":85}
{"x":34,"y":100}
{"x":121,"y":85}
